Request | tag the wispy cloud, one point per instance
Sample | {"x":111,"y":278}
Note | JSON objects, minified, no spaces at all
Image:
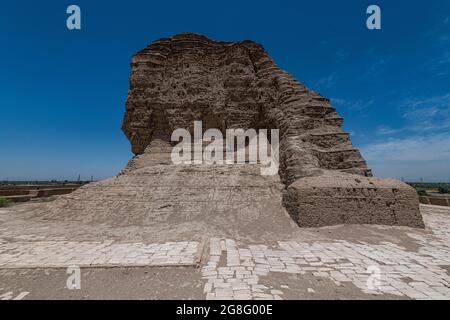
{"x":384,"y":130}
{"x":439,"y":65}
{"x":439,"y":34}
{"x":338,"y":102}
{"x":423,"y":116}
{"x":420,"y":147}
{"x":342,"y":54}
{"x":358,"y":105}
{"x":377,"y":67}
{"x":328,"y":81}
{"x":411,"y":158}
{"x":432,"y":147}
{"x":432,"y":113}
{"x":439,"y":28}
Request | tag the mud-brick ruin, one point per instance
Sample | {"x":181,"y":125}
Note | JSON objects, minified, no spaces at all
{"x":323,"y":180}
{"x":237,"y":85}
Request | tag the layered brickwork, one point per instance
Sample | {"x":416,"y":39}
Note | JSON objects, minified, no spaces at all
{"x":323,"y":179}
{"x":189,"y":77}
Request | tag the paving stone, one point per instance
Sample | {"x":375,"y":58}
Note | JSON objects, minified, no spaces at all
{"x":63,"y":254}
{"x":345,"y":261}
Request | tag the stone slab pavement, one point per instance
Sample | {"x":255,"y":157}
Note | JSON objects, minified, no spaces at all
{"x":61,"y":254}
{"x":328,"y":268}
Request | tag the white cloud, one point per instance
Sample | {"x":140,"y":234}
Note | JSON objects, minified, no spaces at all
{"x":429,"y":115}
{"x":411,"y":158}
{"x":421,"y":148}
{"x":421,"y":113}
{"x":439,"y":101}
{"x":412,"y":149}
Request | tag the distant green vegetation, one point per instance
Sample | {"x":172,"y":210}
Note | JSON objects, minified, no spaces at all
{"x":422,"y":193}
{"x":444,"y":190}
{"x":425,"y":189}
{"x":426,"y":185}
{"x":4,"y":202}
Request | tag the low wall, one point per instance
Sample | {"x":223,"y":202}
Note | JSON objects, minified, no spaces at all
{"x":21,"y":198}
{"x":42,"y":193}
{"x":436,"y":201}
{"x":26,"y":193}
{"x":337,"y":198}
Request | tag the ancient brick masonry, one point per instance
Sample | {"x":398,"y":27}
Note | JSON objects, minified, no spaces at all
{"x":323,"y":179}
{"x":189,"y":77}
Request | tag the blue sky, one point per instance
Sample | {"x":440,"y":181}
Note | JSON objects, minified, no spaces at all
{"x":62,"y":93}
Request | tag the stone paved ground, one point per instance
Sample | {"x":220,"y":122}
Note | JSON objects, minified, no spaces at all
{"x":54,"y":254}
{"x":415,"y":268}
{"x":235,"y":272}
